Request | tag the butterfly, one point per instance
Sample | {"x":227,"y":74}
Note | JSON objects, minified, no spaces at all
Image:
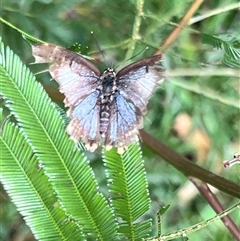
{"x":106,"y":107}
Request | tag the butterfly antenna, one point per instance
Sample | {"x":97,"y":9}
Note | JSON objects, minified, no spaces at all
{"x":99,"y":48}
{"x":134,"y":56}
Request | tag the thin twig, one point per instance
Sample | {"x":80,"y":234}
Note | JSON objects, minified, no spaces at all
{"x":136,"y":28}
{"x":200,"y":72}
{"x":184,"y":21}
{"x":204,"y":91}
{"x":26,"y":35}
{"x":216,"y":205}
{"x":214,"y":12}
{"x":183,"y":233}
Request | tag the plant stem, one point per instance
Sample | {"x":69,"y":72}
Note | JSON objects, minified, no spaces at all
{"x":176,"y":31}
{"x":216,"y":205}
{"x":136,"y":27}
{"x":188,"y":168}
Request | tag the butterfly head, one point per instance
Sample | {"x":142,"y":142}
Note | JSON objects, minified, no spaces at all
{"x":108,"y":81}
{"x":109,"y":74}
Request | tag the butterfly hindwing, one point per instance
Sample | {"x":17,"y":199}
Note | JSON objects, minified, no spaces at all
{"x":123,"y":125}
{"x":85,"y":121}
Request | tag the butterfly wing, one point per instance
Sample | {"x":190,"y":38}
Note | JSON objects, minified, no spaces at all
{"x":85,"y":121}
{"x":138,"y":81}
{"x":78,"y":80}
{"x":136,"y":84}
{"x":76,"y":76}
{"x":123,"y":125}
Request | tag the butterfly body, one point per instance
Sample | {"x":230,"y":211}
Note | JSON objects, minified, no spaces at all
{"x":108,"y":90}
{"x":105,"y":108}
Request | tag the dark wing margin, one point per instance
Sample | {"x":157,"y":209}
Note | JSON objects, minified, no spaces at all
{"x":138,"y":81}
{"x":78,"y":79}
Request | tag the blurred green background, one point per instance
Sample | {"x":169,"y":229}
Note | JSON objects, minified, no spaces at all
{"x":197,"y":116}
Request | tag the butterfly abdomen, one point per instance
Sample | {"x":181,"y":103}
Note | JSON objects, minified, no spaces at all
{"x":107,"y":88}
{"x":104,"y":118}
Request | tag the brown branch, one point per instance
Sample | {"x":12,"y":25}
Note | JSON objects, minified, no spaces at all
{"x":188,"y":168}
{"x":183,"y":22}
{"x":216,"y":205}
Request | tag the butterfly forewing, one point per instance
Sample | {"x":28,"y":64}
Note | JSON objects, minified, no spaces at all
{"x":78,"y":80}
{"x":76,"y":76}
{"x":107,"y":106}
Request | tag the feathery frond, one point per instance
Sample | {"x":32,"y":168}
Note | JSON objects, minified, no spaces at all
{"x":129,"y":191}
{"x":227,"y":44}
{"x":30,"y":190}
{"x":68,"y":170}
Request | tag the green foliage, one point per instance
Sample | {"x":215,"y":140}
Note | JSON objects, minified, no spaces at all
{"x":41,"y":141}
{"x":209,"y":94}
{"x":128,"y":185}
{"x":230,"y":46}
{"x":23,"y":177}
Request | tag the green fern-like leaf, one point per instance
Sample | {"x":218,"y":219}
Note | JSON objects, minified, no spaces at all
{"x":231,"y":53}
{"x":67,"y":169}
{"x":129,"y":191}
{"x":30,"y":190}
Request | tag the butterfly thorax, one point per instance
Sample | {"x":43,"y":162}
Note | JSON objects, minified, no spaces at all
{"x":108,"y":82}
{"x":108,"y":90}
